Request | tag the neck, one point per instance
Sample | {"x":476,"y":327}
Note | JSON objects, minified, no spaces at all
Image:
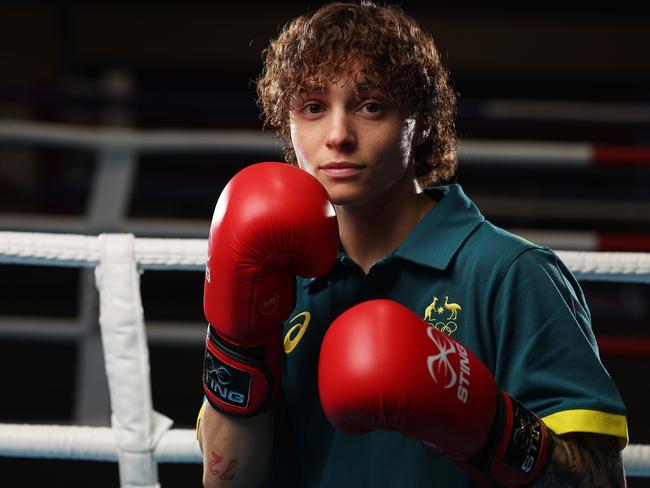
{"x":372,"y":230}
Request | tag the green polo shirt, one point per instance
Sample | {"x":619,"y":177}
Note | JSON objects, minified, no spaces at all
{"x":514,"y":304}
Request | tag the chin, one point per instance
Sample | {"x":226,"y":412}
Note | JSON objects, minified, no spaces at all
{"x":346,"y":193}
{"x":340,"y":197}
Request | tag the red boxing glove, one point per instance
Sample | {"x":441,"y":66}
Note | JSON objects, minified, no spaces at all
{"x":271,"y":222}
{"x":382,"y":367}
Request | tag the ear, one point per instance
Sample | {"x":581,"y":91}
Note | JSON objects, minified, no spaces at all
{"x":421,"y":137}
{"x":421,"y":131}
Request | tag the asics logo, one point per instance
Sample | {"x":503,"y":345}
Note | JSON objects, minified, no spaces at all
{"x":439,"y":366}
{"x":295,"y":333}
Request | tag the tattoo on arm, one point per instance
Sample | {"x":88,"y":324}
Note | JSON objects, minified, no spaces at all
{"x":216,"y":469}
{"x":583,"y":460}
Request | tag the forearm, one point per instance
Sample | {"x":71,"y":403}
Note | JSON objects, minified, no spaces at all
{"x":236,"y":450}
{"x":583,"y":460}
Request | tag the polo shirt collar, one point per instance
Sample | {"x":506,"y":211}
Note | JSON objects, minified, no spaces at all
{"x":442,"y":232}
{"x":454,"y":214}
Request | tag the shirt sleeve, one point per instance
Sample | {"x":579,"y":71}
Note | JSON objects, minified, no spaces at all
{"x":547,"y":355}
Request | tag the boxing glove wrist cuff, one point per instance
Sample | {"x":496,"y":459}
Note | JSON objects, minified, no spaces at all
{"x":519,"y":442}
{"x":240,"y":380}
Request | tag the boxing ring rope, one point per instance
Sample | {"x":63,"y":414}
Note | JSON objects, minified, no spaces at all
{"x":139,"y":437}
{"x":117,"y":150}
{"x":470,"y":151}
{"x":136,"y":429}
{"x":89,"y":443}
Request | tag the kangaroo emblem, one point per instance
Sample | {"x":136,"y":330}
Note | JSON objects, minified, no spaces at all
{"x":430,"y":309}
{"x":453,"y":308}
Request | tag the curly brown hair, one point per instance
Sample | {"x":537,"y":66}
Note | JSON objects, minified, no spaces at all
{"x":399,"y":60}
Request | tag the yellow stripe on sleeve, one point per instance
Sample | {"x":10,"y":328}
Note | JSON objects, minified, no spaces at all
{"x":592,"y":421}
{"x":198,"y":418}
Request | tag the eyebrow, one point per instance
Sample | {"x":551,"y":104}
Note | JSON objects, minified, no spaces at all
{"x":362,"y":88}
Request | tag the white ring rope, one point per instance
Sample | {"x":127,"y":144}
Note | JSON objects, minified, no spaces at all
{"x":470,"y":151}
{"x":189,"y":254}
{"x":175,"y":446}
{"x":89,"y":443}
{"x":160,"y":141}
{"x":140,"y":436}
{"x":626,"y":266}
{"x":85,"y":251}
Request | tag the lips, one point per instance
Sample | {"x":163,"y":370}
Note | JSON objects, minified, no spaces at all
{"x":341,"y":169}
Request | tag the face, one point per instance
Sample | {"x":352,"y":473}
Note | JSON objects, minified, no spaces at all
{"x":354,"y":142}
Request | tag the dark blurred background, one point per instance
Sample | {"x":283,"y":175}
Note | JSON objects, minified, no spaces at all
{"x":552,"y":73}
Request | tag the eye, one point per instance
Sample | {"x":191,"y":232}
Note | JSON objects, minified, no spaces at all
{"x":312,"y":108}
{"x":372,"y":107}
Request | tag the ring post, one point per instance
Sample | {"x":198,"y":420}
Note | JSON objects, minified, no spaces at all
{"x":136,"y":427}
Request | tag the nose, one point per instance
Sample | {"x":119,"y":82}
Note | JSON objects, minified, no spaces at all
{"x":341,"y":133}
